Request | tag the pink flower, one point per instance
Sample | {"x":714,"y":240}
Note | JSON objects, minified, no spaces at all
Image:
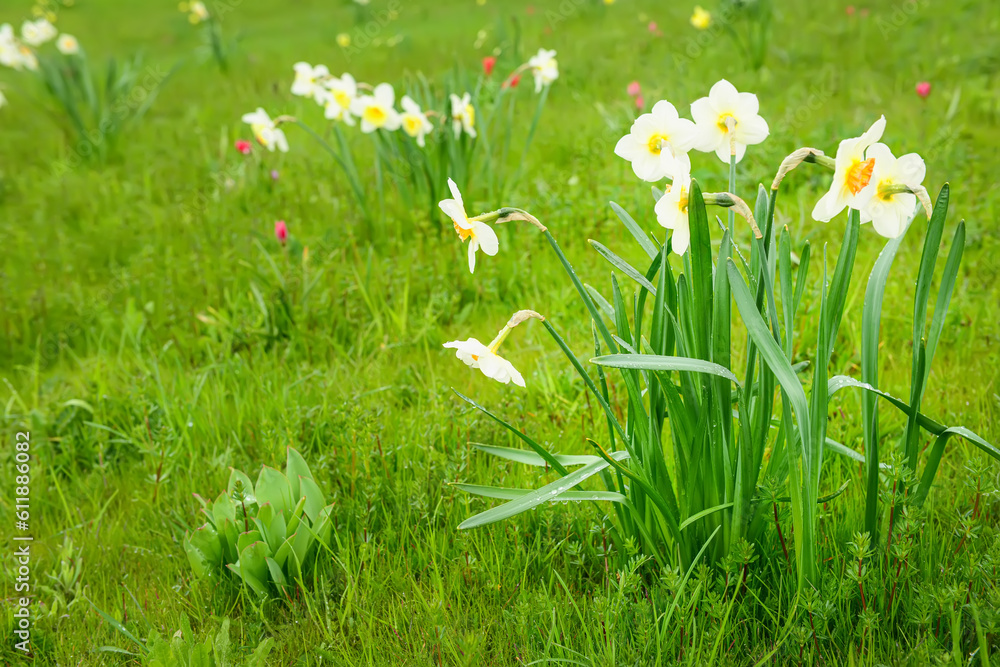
{"x":634,"y":89}
{"x":924,"y":89}
{"x":652,"y":26}
{"x":274,"y":174}
{"x":243,"y":146}
{"x":850,"y":10}
{"x":489,"y":62}
{"x":281,"y":231}
{"x":639,"y":103}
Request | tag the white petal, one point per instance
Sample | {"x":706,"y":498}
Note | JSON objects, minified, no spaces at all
{"x":910,"y":169}
{"x":724,"y":96}
{"x":681,"y":238}
{"x":829,"y":206}
{"x":486,"y":237}
{"x":384,"y":94}
{"x":472,"y":255}
{"x":664,"y":112}
{"x":751,"y":130}
{"x":454,"y":192}
{"x":747,"y":105}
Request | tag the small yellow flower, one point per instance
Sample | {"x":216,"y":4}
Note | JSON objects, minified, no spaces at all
{"x":609,"y":2}
{"x":343,"y":40}
{"x":701,"y":19}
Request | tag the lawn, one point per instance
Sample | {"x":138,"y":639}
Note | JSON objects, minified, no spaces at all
{"x":155,"y":333}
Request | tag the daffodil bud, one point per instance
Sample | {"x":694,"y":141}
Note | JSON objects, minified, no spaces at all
{"x":729,"y":200}
{"x":805,"y":154}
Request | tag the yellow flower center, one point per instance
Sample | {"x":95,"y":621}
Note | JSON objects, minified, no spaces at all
{"x":470,"y":113}
{"x":342,"y":98}
{"x":859,"y":174}
{"x":258,"y":130}
{"x":375,"y":115}
{"x":882,"y":192}
{"x":464,"y":234}
{"x":725,"y":120}
{"x":656,"y":143}
{"x":412,"y":124}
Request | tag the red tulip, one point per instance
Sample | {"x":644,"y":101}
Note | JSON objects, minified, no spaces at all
{"x":243,"y":146}
{"x":489,"y":62}
{"x":512,"y":81}
{"x":634,"y":88}
{"x":924,"y":89}
{"x":281,"y":231}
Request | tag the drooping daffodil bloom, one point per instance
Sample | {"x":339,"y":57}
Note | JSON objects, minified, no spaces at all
{"x":413,"y":120}
{"x":485,"y":358}
{"x":463,"y":115}
{"x":36,"y":33}
{"x":888,"y":208}
{"x":477,"y":233}
{"x":341,"y":93}
{"x":672,"y":212}
{"x":544,"y":68}
{"x":852,"y":175}
{"x":728,"y":121}
{"x":309,"y":81}
{"x":67,"y":45}
{"x":266,"y":131}
{"x":376,"y":110}
{"x":658,"y":142}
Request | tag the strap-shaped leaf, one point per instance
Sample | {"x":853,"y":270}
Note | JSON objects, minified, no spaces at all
{"x":541,"y":451}
{"x":504,"y":493}
{"x":711,"y":510}
{"x":636,"y":231}
{"x":547,"y":493}
{"x":656,"y":362}
{"x":533,"y":459}
{"x":622,"y":265}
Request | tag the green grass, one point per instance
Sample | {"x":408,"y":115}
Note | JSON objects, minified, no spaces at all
{"x":134,"y":350}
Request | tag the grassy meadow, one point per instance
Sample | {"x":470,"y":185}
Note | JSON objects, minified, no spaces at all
{"x":154,"y":333}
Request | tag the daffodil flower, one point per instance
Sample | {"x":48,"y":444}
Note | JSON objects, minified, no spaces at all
{"x":197,"y":12}
{"x":493,"y":366}
{"x":67,"y":45}
{"x":852,"y":175}
{"x":414,"y":122}
{"x":463,"y":115}
{"x":36,"y":33}
{"x":485,"y":357}
{"x":544,"y":68}
{"x":658,"y":142}
{"x":728,"y":121}
{"x":888,"y":207}
{"x":309,"y":81}
{"x":672,"y":212}
{"x":477,"y":233}
{"x":267,"y":133}
{"x":376,"y":110}
{"x":10,"y":53}
{"x":341,"y":94}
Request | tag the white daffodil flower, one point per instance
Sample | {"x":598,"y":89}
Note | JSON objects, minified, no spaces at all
{"x":890,"y":211}
{"x":852,"y":175}
{"x":672,"y":212}
{"x":727,"y":116}
{"x":376,"y":110}
{"x":463,"y":115}
{"x":309,"y":81}
{"x":10,"y":53}
{"x":544,"y":68}
{"x":658,"y":142}
{"x":198,"y":12}
{"x":267,"y":133}
{"x":414,"y":122}
{"x":36,"y":33}
{"x":67,"y":45}
{"x":477,"y":233}
{"x":493,"y":366}
{"x":341,"y":93}
{"x":27,"y":58}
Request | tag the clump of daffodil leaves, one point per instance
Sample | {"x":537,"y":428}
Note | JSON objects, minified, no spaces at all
{"x":684,"y":469}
